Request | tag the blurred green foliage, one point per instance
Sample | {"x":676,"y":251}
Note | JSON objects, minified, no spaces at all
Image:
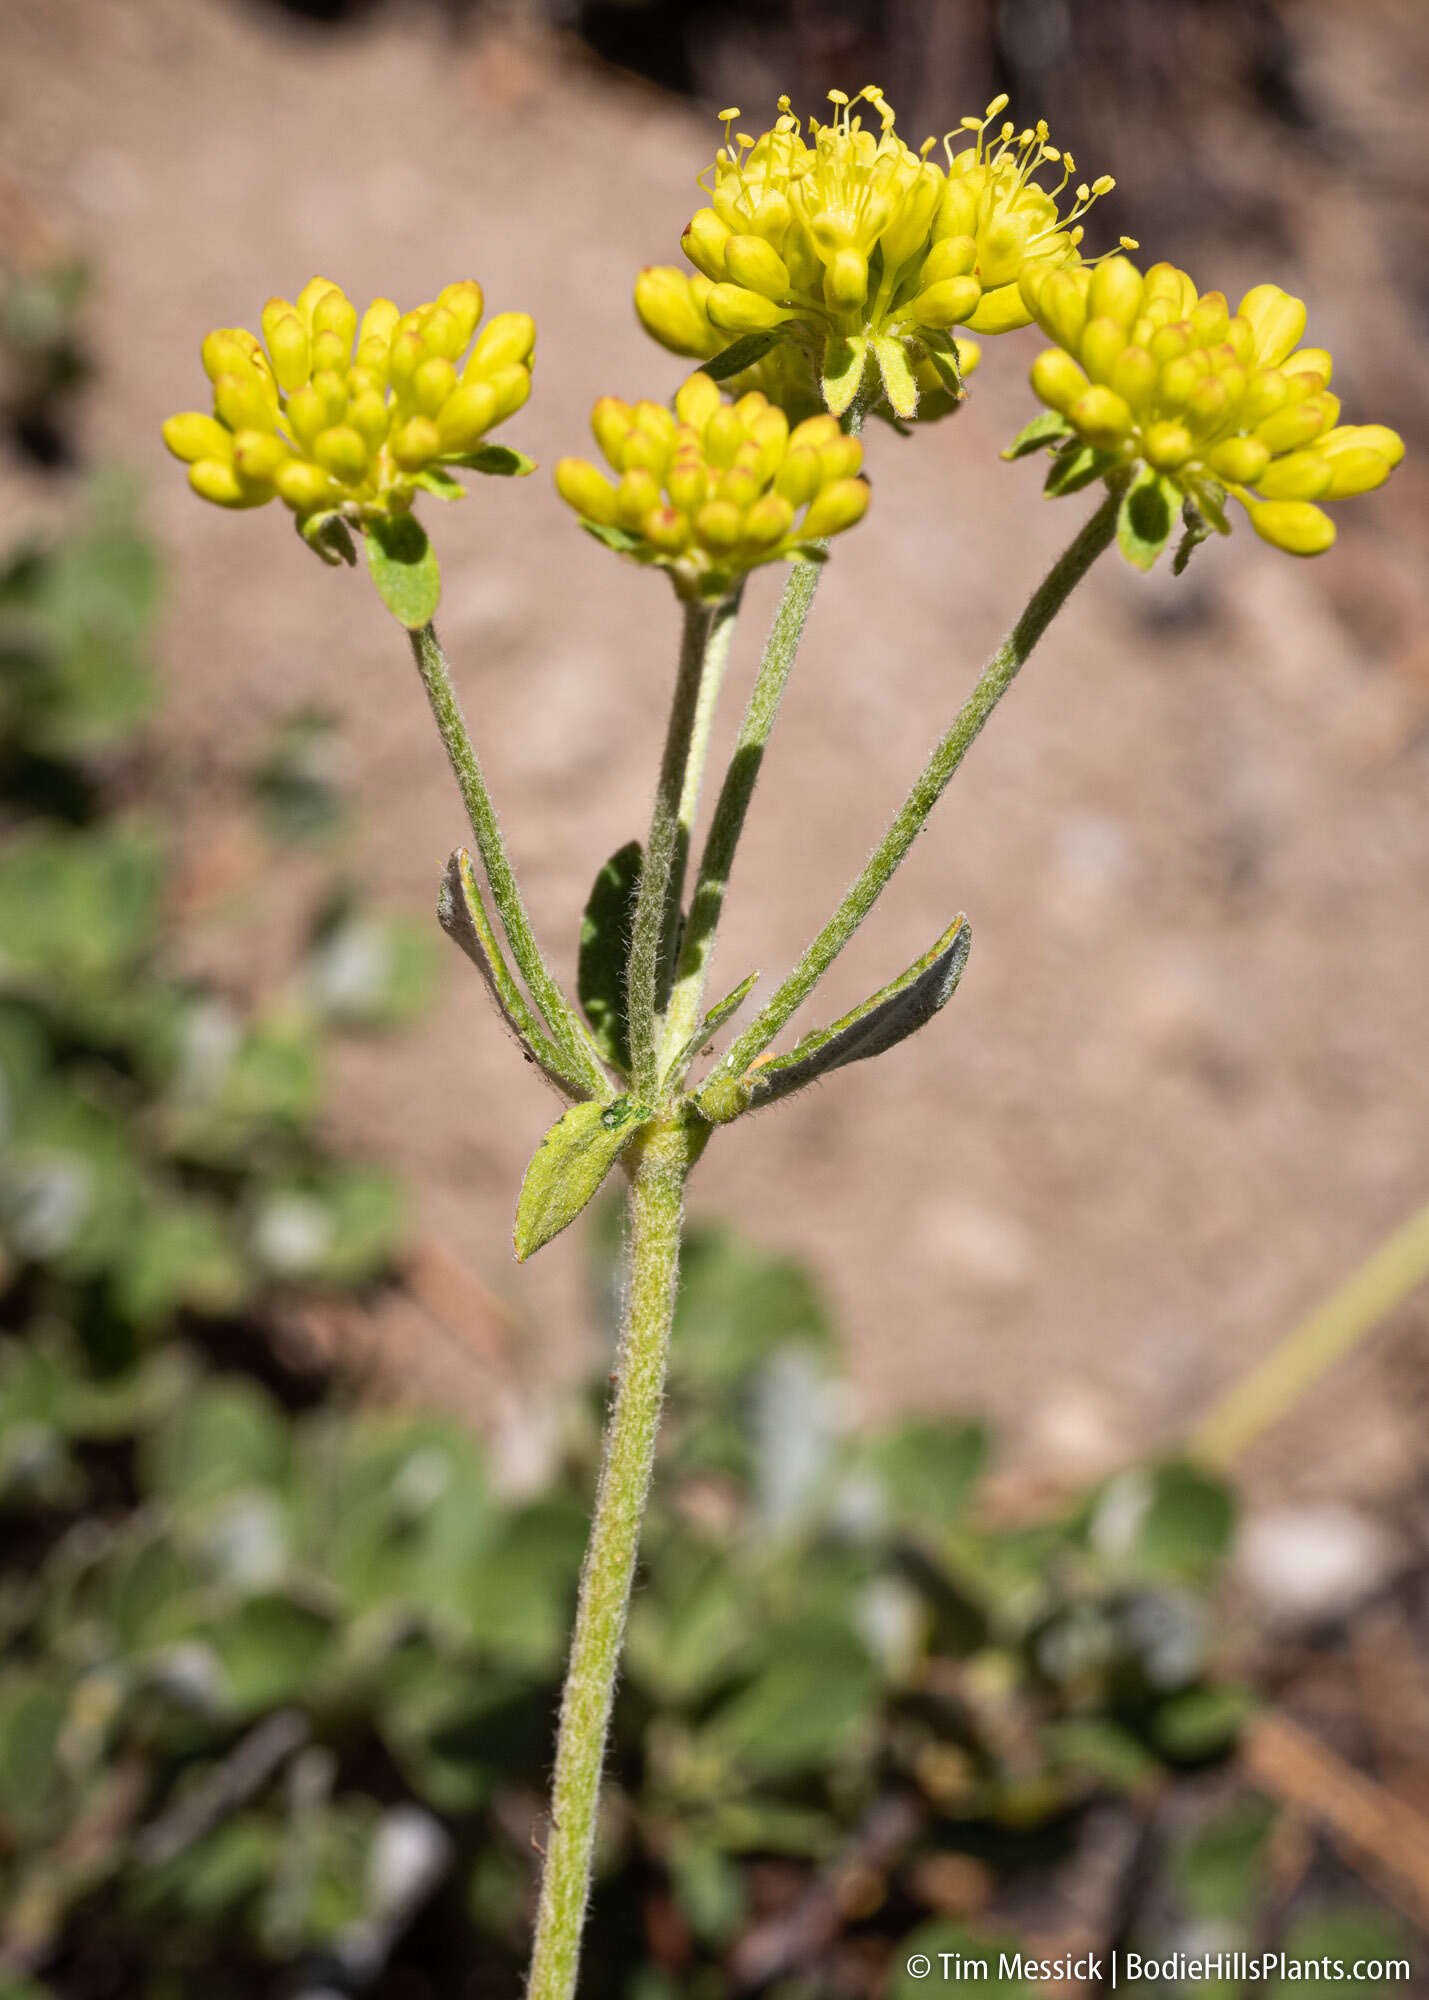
{"x":279,"y":1675}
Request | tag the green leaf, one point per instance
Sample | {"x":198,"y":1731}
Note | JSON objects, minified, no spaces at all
{"x":462,"y":914}
{"x":1093,"y":1747}
{"x":1203,"y":1722}
{"x":714,"y":1020}
{"x":436,"y":479}
{"x":226,"y":1435}
{"x":619,"y":539}
{"x":605,"y":950}
{"x":329,"y":536}
{"x":748,"y":349}
{"x":942,"y":351}
{"x":1220,"y":1874}
{"x":812,"y":1700}
{"x":404,"y":568}
{"x":898,"y":382}
{"x":928,"y":1469}
{"x":569,"y":1165}
{"x":1050,"y":428}
{"x":1146,"y":517}
{"x":498,"y":459}
{"x":271,"y":1648}
{"x":886,"y":1018}
{"x":1187,"y":1528}
{"x":844,"y":362}
{"x":1076,"y":465}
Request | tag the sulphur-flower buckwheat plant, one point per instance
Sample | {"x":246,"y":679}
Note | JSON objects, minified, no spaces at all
{"x":831,"y":269}
{"x":714,"y":490}
{"x":1154,"y":382}
{"x":868,"y":253}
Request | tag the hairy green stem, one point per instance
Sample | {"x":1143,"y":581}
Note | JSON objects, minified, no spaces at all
{"x":997,"y":676}
{"x":564,"y":1023}
{"x":704,"y":648}
{"x":663,"y":1155}
{"x":736,"y":792}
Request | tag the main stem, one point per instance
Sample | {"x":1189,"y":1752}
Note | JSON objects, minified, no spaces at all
{"x":704,"y":648}
{"x":662,"y":1159}
{"x":732,"y":805}
{"x":996,"y":677}
{"x":451,"y":725}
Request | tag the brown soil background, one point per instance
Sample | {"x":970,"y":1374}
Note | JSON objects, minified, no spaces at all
{"x":1182,"y":1089}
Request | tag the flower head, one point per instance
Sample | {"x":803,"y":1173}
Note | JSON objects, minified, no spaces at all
{"x":337,"y":418}
{"x":672,"y":307}
{"x":1147,"y":372}
{"x":855,"y":244}
{"x":714,"y":489}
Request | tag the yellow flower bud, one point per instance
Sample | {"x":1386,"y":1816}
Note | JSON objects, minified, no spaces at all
{"x":1293,"y":525}
{"x":840,"y":458}
{"x":1365,"y":437}
{"x":511,"y":387}
{"x":1168,"y":446}
{"x":703,"y":243}
{"x":432,"y":383}
{"x":464,"y":302}
{"x":335,"y":313}
{"x":1101,"y":348}
{"x":313,"y":290}
{"x":687,"y":482}
{"x":1058,"y":380}
{"x":1296,"y":475}
{"x":1241,"y":460}
{"x":371,"y":418}
{"x":1300,"y":424}
{"x":288,"y":345}
{"x":719,"y":525}
{"x":945,"y":304}
{"x":242,"y":405}
{"x":465,"y":417}
{"x":768,"y":520}
{"x":666,"y":529}
{"x":950,"y":257}
{"x":1278,"y":321}
{"x":1311,"y":361}
{"x":1001,"y":311}
{"x":304,"y":487}
{"x":257,"y":455}
{"x":1062,"y":307}
{"x":696,"y":401}
{"x":749,"y":261}
{"x":799,"y":477}
{"x":636,"y":495}
{"x":508,"y":340}
{"x":193,"y":436}
{"x":837,"y":507}
{"x":1210,"y":319}
{"x":1133,"y":376}
{"x":415,"y":443}
{"x":665,"y":304}
{"x":1351,"y":472}
{"x":215,"y":479}
{"x":1115,"y":291}
{"x":1002,"y":248}
{"x":342,"y":452}
{"x":736,"y":311}
{"x":1101,"y":416}
{"x":582,"y":486}
{"x":723,"y":435}
{"x":379,"y":323}
{"x":845,"y":279}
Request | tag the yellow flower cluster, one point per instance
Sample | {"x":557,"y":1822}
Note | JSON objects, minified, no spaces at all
{"x":672,"y":306}
{"x":336,"y":417}
{"x":851,"y":238}
{"x":1148,"y":370}
{"x":717,"y":488}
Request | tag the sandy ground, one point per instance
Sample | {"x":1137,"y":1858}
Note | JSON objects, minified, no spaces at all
{"x":1183,"y":1086}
